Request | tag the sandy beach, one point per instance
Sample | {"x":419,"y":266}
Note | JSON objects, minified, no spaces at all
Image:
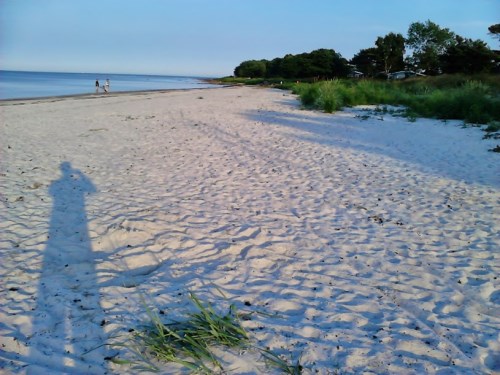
{"x":360,"y":242}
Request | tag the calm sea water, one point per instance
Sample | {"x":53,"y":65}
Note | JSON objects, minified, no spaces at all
{"x":15,"y":85}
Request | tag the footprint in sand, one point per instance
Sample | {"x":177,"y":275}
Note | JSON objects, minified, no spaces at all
{"x":495,"y":297}
{"x":492,"y":361}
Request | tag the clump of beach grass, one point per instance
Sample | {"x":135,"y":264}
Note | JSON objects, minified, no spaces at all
{"x":493,"y":127}
{"x":286,"y":367}
{"x":190,"y":342}
{"x":474,"y":100}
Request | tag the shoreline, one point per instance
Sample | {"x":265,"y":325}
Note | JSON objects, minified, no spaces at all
{"x":99,"y":95}
{"x":35,"y":85}
{"x":355,"y":241}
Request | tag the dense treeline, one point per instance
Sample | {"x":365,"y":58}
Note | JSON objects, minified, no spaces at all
{"x":325,"y":63}
{"x":432,"y":50}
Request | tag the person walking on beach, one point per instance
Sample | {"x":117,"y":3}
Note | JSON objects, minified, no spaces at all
{"x":106,"y":86}
{"x":96,"y":86}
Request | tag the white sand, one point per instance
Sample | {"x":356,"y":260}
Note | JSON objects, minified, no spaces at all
{"x":372,"y":244}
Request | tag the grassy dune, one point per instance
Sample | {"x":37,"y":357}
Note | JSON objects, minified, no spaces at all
{"x":472,"y":99}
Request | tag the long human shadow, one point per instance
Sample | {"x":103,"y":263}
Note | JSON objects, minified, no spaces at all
{"x":446,"y":152}
{"x":67,"y":334}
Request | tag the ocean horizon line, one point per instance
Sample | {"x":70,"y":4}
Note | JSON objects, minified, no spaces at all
{"x":110,"y":73}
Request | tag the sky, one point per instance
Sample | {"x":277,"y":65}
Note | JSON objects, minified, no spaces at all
{"x":209,"y":38}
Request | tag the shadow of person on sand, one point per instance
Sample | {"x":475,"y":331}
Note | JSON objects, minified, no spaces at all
{"x":67,"y":333}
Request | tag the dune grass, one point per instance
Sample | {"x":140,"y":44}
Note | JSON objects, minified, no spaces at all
{"x":281,"y":83}
{"x":286,"y":367}
{"x":190,"y":342}
{"x":472,"y":99}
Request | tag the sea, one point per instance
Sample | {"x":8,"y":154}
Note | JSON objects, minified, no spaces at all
{"x":21,"y":85}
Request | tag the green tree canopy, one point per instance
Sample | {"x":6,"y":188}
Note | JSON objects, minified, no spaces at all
{"x":468,"y":56}
{"x":321,"y":63}
{"x":434,"y":50}
{"x":367,"y":61}
{"x":290,"y":66}
{"x":495,"y":30}
{"x":274,"y":67}
{"x":251,"y":68}
{"x":390,"y":52}
{"x":428,"y":42}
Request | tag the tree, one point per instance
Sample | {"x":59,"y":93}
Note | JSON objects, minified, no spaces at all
{"x":273,"y":67}
{"x":495,"y":30}
{"x":324,"y":63}
{"x":340,"y":66}
{"x":251,"y":68}
{"x":321,"y":63}
{"x":428,"y":42}
{"x":290,"y":66}
{"x":468,"y":56}
{"x":366,"y":61}
{"x":390,"y":52}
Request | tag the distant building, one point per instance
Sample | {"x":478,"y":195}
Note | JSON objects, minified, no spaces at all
{"x":355,"y":74}
{"x":403,"y":74}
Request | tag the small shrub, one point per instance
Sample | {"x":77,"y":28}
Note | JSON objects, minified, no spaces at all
{"x":493,"y":127}
{"x":411,"y":116}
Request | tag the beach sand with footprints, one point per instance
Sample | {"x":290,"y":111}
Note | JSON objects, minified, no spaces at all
{"x":359,"y":242}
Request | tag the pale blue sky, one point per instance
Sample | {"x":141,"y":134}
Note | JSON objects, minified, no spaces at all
{"x":211,"y":37}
